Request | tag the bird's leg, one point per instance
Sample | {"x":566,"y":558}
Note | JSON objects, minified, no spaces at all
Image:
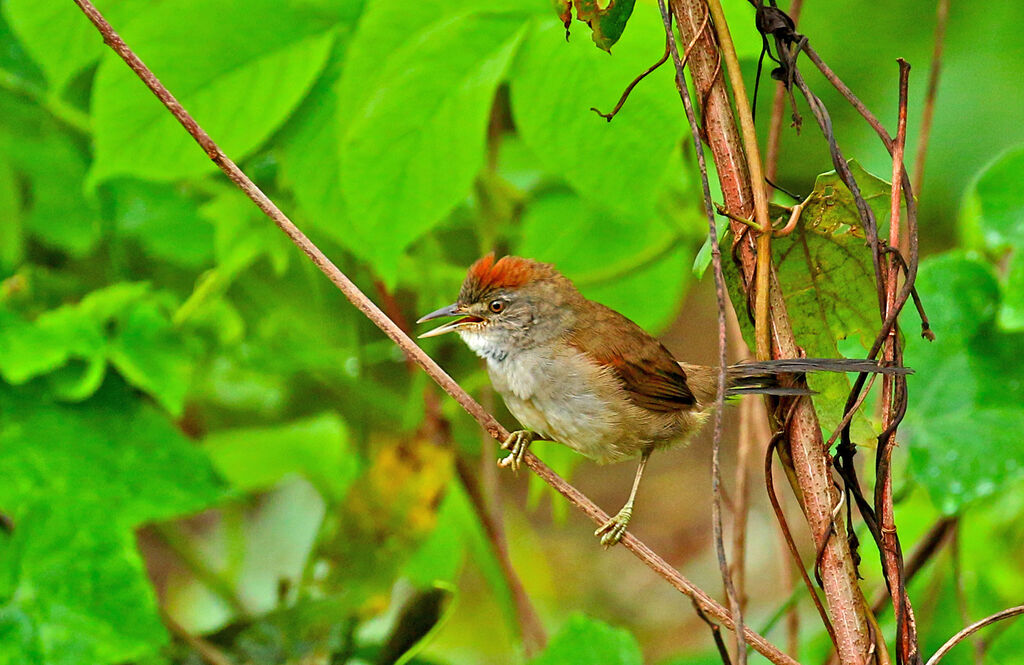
{"x":516,"y":443}
{"x":611,"y":531}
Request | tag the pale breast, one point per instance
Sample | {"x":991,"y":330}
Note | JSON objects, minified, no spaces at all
{"x":570,"y":399}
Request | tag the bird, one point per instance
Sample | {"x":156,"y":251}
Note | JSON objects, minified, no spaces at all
{"x":574,"y":371}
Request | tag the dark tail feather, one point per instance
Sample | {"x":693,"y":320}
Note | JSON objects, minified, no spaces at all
{"x":762,"y":377}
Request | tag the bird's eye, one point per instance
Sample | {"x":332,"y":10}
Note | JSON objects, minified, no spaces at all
{"x":496,"y":306}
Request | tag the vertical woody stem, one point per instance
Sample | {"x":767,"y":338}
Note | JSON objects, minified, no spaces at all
{"x":806,"y":447}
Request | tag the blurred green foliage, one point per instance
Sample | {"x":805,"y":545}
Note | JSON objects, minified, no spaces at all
{"x":193,"y":419}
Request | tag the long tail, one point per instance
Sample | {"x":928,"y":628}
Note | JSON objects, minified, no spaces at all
{"x":762,"y":377}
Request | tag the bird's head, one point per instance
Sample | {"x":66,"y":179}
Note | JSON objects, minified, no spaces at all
{"x":508,"y":304}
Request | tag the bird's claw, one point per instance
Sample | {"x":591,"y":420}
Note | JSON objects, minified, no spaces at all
{"x":611,"y":532}
{"x":516,"y":443}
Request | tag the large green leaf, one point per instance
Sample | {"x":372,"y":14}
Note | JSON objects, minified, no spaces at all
{"x":77,"y":479}
{"x":632,"y":264}
{"x":54,"y":166}
{"x":622,"y":164}
{"x":826,"y":275}
{"x":60,"y":37}
{"x":239,"y":68}
{"x":967,"y":397}
{"x":586,"y":641}
{"x":410,"y":152}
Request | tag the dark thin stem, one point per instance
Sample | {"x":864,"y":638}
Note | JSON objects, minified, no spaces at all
{"x":633,"y":84}
{"x":973,"y":628}
{"x":788,"y":535}
{"x":716,"y":634}
{"x":771,"y":160}
{"x":720,"y":295}
{"x":941,"y":14}
{"x":407,"y":345}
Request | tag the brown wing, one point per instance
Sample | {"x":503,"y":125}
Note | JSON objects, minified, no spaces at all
{"x":651,"y":376}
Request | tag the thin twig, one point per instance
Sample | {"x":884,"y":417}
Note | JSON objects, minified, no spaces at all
{"x":771,"y":160}
{"x":716,"y":634}
{"x":973,"y":628}
{"x":408,"y":346}
{"x":633,"y":84}
{"x":941,"y":14}
{"x":790,"y":542}
{"x":720,"y":295}
{"x":893,"y":391}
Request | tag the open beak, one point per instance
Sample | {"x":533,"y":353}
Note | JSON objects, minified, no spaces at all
{"x":450,"y":310}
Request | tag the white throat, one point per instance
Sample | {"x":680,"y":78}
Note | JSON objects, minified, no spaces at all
{"x":484,"y":346}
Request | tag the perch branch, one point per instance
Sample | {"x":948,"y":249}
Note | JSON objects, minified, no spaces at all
{"x":407,"y":345}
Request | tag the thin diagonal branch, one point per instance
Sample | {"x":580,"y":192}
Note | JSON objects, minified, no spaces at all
{"x":973,"y":628}
{"x":407,"y":345}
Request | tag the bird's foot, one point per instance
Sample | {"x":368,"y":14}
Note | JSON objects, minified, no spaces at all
{"x":611,"y":532}
{"x":516,"y":443}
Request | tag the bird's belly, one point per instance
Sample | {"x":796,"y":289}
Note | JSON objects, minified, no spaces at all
{"x":571,"y":402}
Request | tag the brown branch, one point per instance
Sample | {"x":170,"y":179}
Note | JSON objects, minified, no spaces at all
{"x":927,"y":546}
{"x":973,"y":628}
{"x":720,"y":296}
{"x":810,"y":474}
{"x":893,"y":391}
{"x":407,"y":345}
{"x":941,"y":14}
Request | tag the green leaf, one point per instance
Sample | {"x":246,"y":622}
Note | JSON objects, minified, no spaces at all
{"x":239,"y":68}
{"x":54,"y":165}
{"x":74,"y":590}
{"x":967,"y":396}
{"x":165,"y":221}
{"x":606,"y":23}
{"x":77,"y":480}
{"x":620,"y":164}
{"x":610,"y":257}
{"x":827,"y":277}
{"x":60,"y":38}
{"x":151,"y":356}
{"x":995,"y":206}
{"x":413,"y":148}
{"x":310,"y":161}
{"x":317,"y":448}
{"x":586,"y":641}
